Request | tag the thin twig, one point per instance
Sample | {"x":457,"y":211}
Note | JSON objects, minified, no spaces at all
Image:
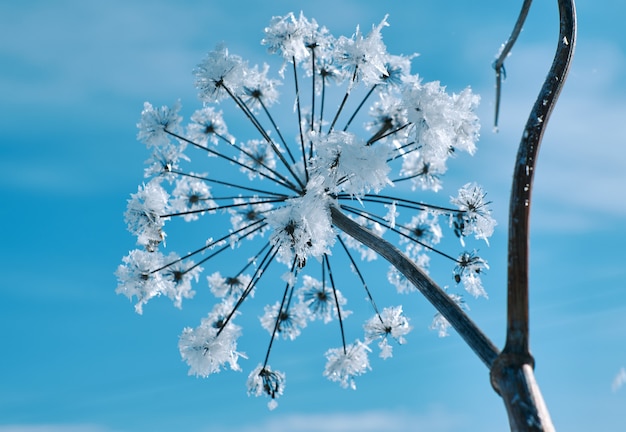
{"x":498,"y":65}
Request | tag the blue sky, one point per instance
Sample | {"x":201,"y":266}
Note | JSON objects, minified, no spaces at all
{"x":73,"y":79}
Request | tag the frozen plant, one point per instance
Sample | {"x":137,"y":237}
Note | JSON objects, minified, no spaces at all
{"x":365,"y":137}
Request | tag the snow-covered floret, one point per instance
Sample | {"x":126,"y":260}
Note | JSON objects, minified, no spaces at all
{"x":302,"y":228}
{"x":288,"y":321}
{"x":321,"y":300}
{"x":343,"y":364}
{"x":348,"y":165}
{"x":229,"y":286}
{"x":265,"y":381}
{"x":468,"y":271}
{"x":178,"y":276}
{"x":391,"y":322}
{"x":289,"y":36}
{"x":164,"y":162}
{"x":144,"y":213}
{"x":465,"y":121}
{"x":257,"y":159}
{"x":259,"y":91}
{"x":248,"y":211}
{"x":207,"y":125}
{"x":389,"y":120}
{"x":475,"y":215}
{"x":422,"y":230}
{"x":365,"y":57}
{"x":155,"y":121}
{"x":220,"y":75}
{"x":137,"y":277}
{"x":441,"y":123}
{"x":192,"y":198}
{"x":213,"y":344}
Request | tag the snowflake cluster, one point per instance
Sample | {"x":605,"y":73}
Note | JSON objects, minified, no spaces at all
{"x":277,"y":186}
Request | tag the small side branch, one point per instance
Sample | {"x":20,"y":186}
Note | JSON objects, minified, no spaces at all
{"x":498,"y":65}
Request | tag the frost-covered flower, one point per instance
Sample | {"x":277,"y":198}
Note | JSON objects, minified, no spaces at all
{"x":178,"y":277}
{"x":165,"y":161}
{"x":259,"y":91}
{"x":468,"y":271}
{"x":144,"y":214}
{"x":257,"y":159}
{"x":302,"y":228}
{"x":267,"y":195}
{"x":390,"y":322}
{"x":474,"y":216}
{"x":287,"y":321}
{"x":137,"y":277}
{"x":321,"y":300}
{"x":348,"y":165}
{"x":288,"y":36}
{"x":344,"y":364}
{"x":365,"y":56}
{"x":212,"y":345}
{"x":265,"y":381}
{"x":219,"y":75}
{"x":155,"y":121}
{"x":192,"y":198}
{"x":207,"y":124}
{"x":230,"y":286}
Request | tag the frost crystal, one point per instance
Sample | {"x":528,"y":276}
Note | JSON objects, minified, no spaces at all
{"x":366,"y":136}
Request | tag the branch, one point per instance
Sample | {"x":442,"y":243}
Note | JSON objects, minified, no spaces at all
{"x":472,"y":335}
{"x":498,"y":65}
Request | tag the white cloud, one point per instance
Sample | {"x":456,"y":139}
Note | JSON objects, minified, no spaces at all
{"x":435,"y":420}
{"x":619,"y":380}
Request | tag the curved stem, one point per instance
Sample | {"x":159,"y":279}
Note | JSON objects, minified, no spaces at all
{"x":512,"y":374}
{"x":519,"y":211}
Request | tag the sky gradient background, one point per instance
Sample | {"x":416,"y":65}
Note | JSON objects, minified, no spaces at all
{"x":75,"y":357}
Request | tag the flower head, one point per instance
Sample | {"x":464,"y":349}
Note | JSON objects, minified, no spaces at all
{"x":265,"y":381}
{"x":155,"y":121}
{"x":266,"y":198}
{"x":212,"y":345}
{"x":390,"y":323}
{"x":219,"y":75}
{"x":144,"y":214}
{"x":344,"y":364}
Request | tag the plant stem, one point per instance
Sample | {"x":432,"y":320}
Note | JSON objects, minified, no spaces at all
{"x":468,"y":330}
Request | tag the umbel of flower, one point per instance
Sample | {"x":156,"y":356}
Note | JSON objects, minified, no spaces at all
{"x":264,"y":199}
